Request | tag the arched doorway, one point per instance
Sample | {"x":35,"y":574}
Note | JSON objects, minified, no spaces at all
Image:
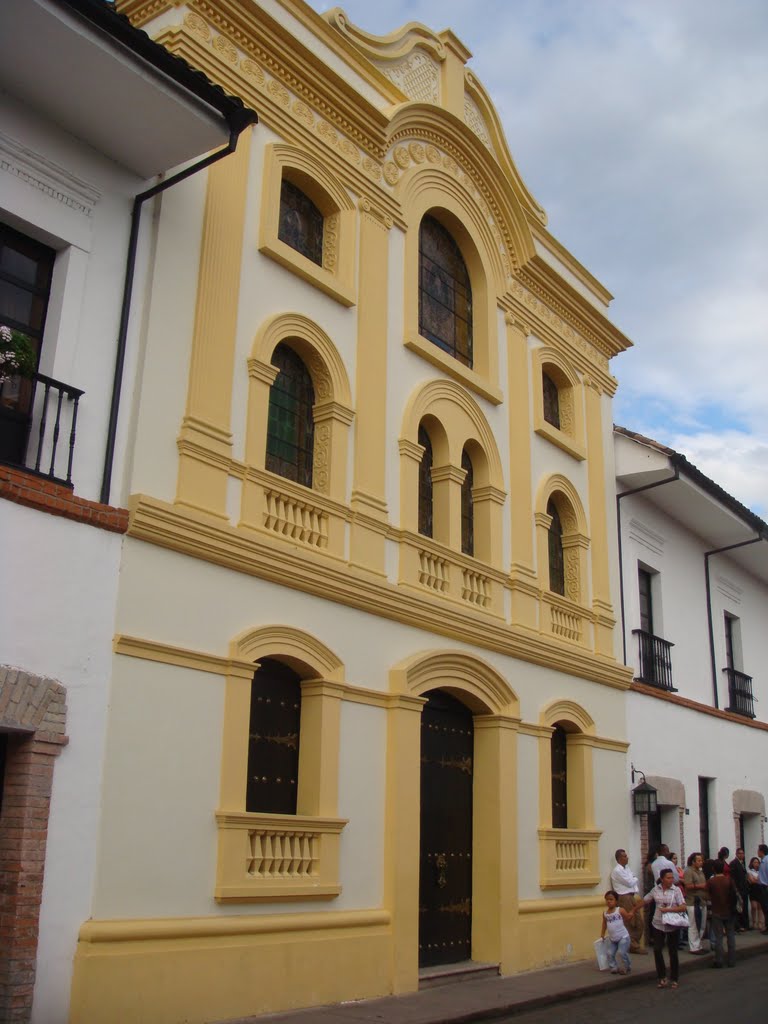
{"x":445,"y":862}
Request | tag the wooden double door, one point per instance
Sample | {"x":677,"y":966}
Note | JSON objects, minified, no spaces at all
{"x":445,"y":868}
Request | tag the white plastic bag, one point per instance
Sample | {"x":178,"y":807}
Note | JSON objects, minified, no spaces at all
{"x":602,"y":954}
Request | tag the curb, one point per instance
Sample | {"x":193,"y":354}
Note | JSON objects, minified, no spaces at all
{"x":602,"y":987}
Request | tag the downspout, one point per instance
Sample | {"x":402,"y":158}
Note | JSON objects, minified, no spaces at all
{"x":626,"y":494}
{"x":707,"y":556}
{"x":241,"y":119}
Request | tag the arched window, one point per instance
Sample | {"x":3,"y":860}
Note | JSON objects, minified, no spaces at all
{"x":445,"y":293}
{"x":290,"y":426}
{"x":556,"y":558}
{"x":301,"y":222}
{"x":559,"y":746}
{"x":425,"y":484}
{"x":273,"y":742}
{"x":467,"y":507}
{"x":551,"y":397}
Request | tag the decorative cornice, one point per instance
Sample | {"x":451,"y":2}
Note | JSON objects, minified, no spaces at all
{"x":46,"y":176}
{"x":181,"y":529}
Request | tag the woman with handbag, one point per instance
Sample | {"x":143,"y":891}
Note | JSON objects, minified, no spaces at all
{"x":669,"y":916}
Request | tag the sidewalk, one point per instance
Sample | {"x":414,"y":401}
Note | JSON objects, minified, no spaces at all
{"x":466,"y":1001}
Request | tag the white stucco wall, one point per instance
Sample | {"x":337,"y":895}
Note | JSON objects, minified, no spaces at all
{"x":730,"y":753}
{"x":59,"y":588}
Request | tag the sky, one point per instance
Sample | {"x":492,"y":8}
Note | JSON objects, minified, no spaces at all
{"x":641,"y":127}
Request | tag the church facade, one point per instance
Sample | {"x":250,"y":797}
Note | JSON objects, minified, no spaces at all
{"x":367,"y":702}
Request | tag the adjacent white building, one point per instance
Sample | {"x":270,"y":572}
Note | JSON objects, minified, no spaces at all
{"x":694,"y":566}
{"x":91,"y":111}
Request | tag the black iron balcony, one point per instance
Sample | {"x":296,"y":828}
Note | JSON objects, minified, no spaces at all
{"x":655,"y":660}
{"x":741,"y":700}
{"x":37,"y":426}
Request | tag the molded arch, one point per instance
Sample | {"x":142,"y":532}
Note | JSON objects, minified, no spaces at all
{"x":472,"y":426}
{"x":325,"y":365}
{"x":423,"y":121}
{"x":568,"y":711}
{"x":434,"y":191}
{"x":467,"y":677}
{"x":438,"y":438}
{"x":558,"y":483}
{"x":313,"y":177}
{"x":551,"y":357}
{"x":302,"y":651}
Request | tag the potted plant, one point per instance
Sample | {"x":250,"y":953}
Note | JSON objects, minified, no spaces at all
{"x":17,"y":356}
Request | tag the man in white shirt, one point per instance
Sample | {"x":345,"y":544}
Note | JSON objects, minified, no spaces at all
{"x":662,"y":862}
{"x":625,"y":885}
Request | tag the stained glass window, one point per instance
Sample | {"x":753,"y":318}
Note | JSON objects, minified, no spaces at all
{"x":551,"y":401}
{"x":467,"y":507}
{"x":273,"y":741}
{"x":290,"y":427}
{"x":425,"y":485}
{"x":445,"y":293}
{"x":301,"y":223}
{"x":556,"y":557}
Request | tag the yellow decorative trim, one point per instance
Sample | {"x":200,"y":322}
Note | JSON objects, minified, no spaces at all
{"x":166,"y":654}
{"x":336,"y":276}
{"x":301,"y":650}
{"x":474,"y":680}
{"x":568,"y":858}
{"x":560,"y":906}
{"x":569,"y":711}
{"x":570,"y":435}
{"x":426,"y":189}
{"x":171,"y":929}
{"x":277,"y":857}
{"x":205,"y":441}
{"x":182,"y":530}
{"x":452,"y":367}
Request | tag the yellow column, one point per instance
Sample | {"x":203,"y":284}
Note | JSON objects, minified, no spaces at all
{"x":403,"y":808}
{"x":523,"y":582}
{"x":601,"y":587}
{"x":494,"y":874}
{"x":446,"y":505}
{"x":205,"y":439}
{"x":318,"y":792}
{"x":369,"y":507}
{"x":452,"y":73}
{"x":234,"y":755}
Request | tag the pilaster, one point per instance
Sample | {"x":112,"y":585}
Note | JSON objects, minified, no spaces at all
{"x":205,"y":439}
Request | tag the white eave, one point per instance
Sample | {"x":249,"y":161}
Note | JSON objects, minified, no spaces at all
{"x":691,"y":501}
{"x":99,"y":90}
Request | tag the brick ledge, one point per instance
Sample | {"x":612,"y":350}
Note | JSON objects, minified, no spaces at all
{"x":705,"y":709}
{"x":58,"y":500}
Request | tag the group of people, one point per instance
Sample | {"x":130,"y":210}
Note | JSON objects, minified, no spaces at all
{"x":708,"y":901}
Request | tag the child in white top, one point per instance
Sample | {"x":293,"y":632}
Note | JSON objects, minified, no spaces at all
{"x":615,"y":923}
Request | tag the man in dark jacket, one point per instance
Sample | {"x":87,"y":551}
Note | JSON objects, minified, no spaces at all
{"x":739,"y":876}
{"x":722,"y":894}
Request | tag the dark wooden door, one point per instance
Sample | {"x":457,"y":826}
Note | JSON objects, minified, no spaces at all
{"x":445,"y":869}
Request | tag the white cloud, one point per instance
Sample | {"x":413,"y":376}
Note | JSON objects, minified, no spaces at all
{"x":736,"y":461}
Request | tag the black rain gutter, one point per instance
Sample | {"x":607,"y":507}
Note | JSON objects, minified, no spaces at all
{"x":626,"y":494}
{"x":239,"y":119}
{"x":707,"y":556}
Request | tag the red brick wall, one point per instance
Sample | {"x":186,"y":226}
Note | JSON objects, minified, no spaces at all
{"x":34,"y":709}
{"x":58,"y":500}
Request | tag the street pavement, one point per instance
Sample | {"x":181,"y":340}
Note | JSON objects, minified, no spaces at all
{"x":498,"y":999}
{"x":704,"y":996}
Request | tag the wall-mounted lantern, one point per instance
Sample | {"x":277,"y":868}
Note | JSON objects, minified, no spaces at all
{"x":643,"y":795}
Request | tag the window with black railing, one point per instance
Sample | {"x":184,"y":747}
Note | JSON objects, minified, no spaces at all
{"x":41,"y":439}
{"x":741,"y":699}
{"x":655,"y":660}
